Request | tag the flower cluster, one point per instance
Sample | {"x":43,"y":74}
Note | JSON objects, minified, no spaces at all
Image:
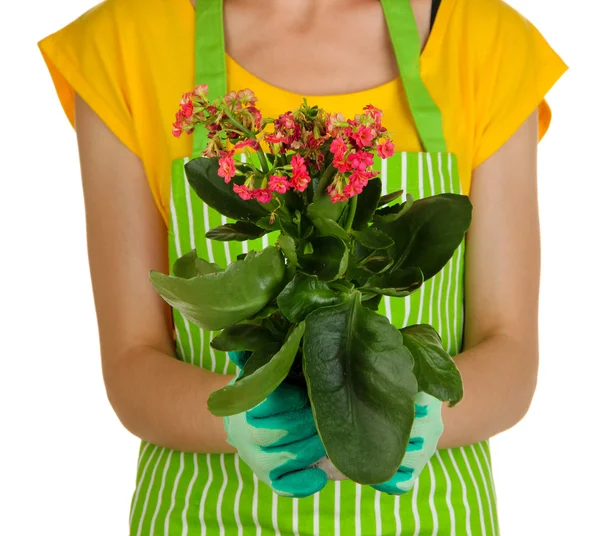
{"x":235,"y":117}
{"x":299,"y":143}
{"x":353,"y":145}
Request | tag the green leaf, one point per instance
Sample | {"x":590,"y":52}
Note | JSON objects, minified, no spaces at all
{"x":328,"y":227}
{"x":219,"y":300}
{"x":428,"y":234}
{"x":288,"y":246}
{"x":361,"y":387}
{"x":391,"y":214}
{"x":265,"y":223}
{"x":329,"y":258}
{"x":267,"y":374}
{"x":212,"y":189}
{"x":323,"y":207}
{"x":304,"y":294}
{"x":240,"y":230}
{"x":398,"y":283}
{"x":265,"y":312}
{"x":373,"y":302}
{"x":189,"y":265}
{"x":242,"y":337}
{"x":436,"y":372}
{"x":185,"y":266}
{"x":259,"y":359}
{"x":367,"y":203}
{"x":388,"y":198}
{"x":373,"y":238}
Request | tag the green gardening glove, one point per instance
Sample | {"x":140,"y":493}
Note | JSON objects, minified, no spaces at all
{"x":278,"y":439}
{"x":425,"y":434}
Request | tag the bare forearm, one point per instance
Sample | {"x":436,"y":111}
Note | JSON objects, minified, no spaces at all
{"x":164,"y":401}
{"x":499,"y":377}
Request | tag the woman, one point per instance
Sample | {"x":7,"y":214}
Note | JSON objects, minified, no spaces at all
{"x":120,"y":70}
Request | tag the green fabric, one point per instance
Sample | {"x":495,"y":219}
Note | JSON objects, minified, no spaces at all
{"x":181,"y":493}
{"x":210,"y":52}
{"x":407,"y":47}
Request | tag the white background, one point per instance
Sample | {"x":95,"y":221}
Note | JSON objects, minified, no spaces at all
{"x":67,"y":463}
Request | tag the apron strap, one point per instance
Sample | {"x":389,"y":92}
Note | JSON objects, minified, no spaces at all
{"x":210,"y":66}
{"x":209,"y":57}
{"x":407,"y":47}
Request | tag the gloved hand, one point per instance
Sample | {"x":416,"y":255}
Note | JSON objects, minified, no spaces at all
{"x":278,"y":439}
{"x":424,"y":436}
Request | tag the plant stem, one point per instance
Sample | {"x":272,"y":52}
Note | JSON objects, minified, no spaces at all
{"x":324,"y":182}
{"x":249,"y":134}
{"x":350,"y":218}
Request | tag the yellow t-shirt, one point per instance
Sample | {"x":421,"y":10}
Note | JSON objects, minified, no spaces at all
{"x":485,"y":65}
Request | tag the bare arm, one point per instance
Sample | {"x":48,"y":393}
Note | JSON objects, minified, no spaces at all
{"x":156,"y":397}
{"x":500,"y":358}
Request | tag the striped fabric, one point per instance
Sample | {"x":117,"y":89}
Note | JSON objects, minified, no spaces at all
{"x":180,"y":494}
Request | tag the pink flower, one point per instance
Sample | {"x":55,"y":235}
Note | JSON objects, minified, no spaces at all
{"x":278,"y":184}
{"x":363,"y":137}
{"x":256,"y":114}
{"x":300,"y":177}
{"x":385,"y":148}
{"x":176,"y":130}
{"x":338,"y":198}
{"x":338,"y":147}
{"x":360,"y":160}
{"x":226,"y":167}
{"x":243,"y":191}
{"x":201,"y":90}
{"x":276,"y":137}
{"x":285,"y":121}
{"x":352,"y":189}
{"x":253,"y":144}
{"x":374,"y":113}
{"x":341,"y":165}
{"x":247,"y":96}
{"x":335,"y":124}
{"x":262,"y":195}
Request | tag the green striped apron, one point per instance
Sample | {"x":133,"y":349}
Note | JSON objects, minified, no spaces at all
{"x":180,"y":494}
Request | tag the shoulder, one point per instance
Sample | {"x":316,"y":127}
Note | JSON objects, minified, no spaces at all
{"x":492,"y":24}
{"x":121,"y":15}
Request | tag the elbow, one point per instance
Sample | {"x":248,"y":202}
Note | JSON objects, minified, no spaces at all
{"x":521,"y":388}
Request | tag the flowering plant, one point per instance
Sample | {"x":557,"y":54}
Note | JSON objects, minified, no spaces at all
{"x":306,"y":308}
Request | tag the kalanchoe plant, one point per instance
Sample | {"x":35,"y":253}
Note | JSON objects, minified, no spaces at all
{"x":306,"y":308}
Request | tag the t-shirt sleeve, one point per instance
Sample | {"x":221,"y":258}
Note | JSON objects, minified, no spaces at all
{"x":515,"y":69}
{"x":85,"y":57}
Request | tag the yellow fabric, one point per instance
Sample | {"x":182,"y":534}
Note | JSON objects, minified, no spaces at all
{"x":485,"y":66}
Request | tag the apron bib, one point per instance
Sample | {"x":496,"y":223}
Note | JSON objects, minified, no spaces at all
{"x":208,"y":494}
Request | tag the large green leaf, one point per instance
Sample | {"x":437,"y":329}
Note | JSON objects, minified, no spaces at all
{"x":367,"y":204}
{"x":362,"y":389}
{"x":212,"y":189}
{"x":304,"y":294}
{"x":398,"y":283}
{"x":436,"y":372}
{"x":267,"y":374}
{"x":242,"y":337}
{"x":428,"y":234}
{"x":220,"y":300}
{"x":240,"y":230}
